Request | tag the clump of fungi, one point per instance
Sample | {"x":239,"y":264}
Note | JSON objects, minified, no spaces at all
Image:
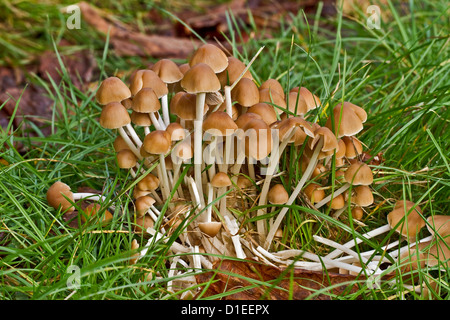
{"x":204,"y":141}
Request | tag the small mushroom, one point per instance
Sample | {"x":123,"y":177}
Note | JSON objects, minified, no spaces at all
{"x":199,"y":80}
{"x":406,"y":218}
{"x":115,"y":116}
{"x":211,"y":228}
{"x":158,"y":142}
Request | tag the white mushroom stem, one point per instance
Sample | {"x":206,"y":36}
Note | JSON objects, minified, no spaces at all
{"x":155,"y":121}
{"x":165,"y":109}
{"x":273,"y":163}
{"x":398,"y":252}
{"x":198,"y":139}
{"x":340,"y":247}
{"x":235,"y":238}
{"x":194,"y":193}
{"x":88,"y":196}
{"x":161,"y":169}
{"x":332,"y":196}
{"x":352,"y":243}
{"x":293,"y":196}
{"x":134,"y":135}
{"x":210,"y":203}
{"x":129,"y":143}
{"x":196,"y":258}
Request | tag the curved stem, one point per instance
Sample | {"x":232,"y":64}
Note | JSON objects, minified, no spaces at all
{"x":164,"y":178}
{"x":155,"y":121}
{"x":129,"y":143}
{"x":306,"y":175}
{"x":273,"y":162}
{"x":134,"y":135}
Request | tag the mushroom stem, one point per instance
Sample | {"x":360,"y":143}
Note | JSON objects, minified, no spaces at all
{"x":129,"y":143}
{"x":228,"y":102}
{"x":200,"y":102}
{"x":351,"y":243}
{"x":210,"y":204}
{"x":306,"y":175}
{"x":134,"y":135}
{"x":176,"y":176}
{"x":164,"y":178}
{"x":88,"y":196}
{"x":273,"y":161}
{"x":155,"y":121}
{"x":165,"y":109}
{"x":332,"y":196}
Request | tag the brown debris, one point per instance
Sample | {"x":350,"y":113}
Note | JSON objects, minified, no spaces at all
{"x":221,"y":280}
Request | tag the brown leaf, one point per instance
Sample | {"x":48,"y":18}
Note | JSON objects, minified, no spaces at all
{"x":230,"y":275}
{"x":127,"y":42}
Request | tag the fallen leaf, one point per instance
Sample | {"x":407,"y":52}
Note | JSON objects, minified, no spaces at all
{"x":298,"y":284}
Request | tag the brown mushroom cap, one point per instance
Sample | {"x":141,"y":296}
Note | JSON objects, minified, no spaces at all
{"x":346,"y":124}
{"x":311,"y":100}
{"x":243,"y":119}
{"x":114,"y":115}
{"x":126,"y":159}
{"x":297,"y":104}
{"x":176,"y":131}
{"x":286,"y":125}
{"x":167,"y":71}
{"x":146,"y":101}
{"x":148,"y":183}
{"x":143,"y":204}
{"x":277,"y":194}
{"x":245,"y":92}
{"x":359,"y":173}
{"x":439,"y":224}
{"x":143,"y":223}
{"x":184,"y":106}
{"x":148,"y":79}
{"x":274,"y":85}
{"x":200,"y":78}
{"x":233,"y":71}
{"x":183,"y":150}
{"x":268,"y":95}
{"x":210,"y":228}
{"x":314,"y":193}
{"x":410,"y":226}
{"x":92,"y":210}
{"x":357,"y":213}
{"x":112,"y":89}
{"x":266,"y":111}
{"x":220,"y":180}
{"x":211,"y":55}
{"x":119,"y":144}
{"x":257,"y":139}
{"x":330,"y":142}
{"x":140,"y":119}
{"x":219,"y":123}
{"x":362,"y":196}
{"x":338,"y":202}
{"x":353,"y":147}
{"x":157,"y":142}
{"x":57,"y":194}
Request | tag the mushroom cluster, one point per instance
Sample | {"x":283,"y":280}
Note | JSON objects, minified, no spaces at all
{"x":200,"y":137}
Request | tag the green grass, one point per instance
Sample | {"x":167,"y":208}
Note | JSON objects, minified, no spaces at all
{"x":399,"y":74}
